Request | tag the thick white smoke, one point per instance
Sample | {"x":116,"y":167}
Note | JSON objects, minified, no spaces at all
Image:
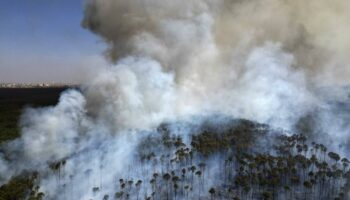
{"x":260,"y":60}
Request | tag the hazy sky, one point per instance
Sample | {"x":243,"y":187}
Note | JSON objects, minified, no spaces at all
{"x":43,"y":41}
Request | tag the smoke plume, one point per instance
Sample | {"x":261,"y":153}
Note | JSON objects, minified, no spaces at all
{"x":272,"y":61}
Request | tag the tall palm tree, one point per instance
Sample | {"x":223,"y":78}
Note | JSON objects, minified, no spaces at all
{"x":167,"y":177}
{"x":212,"y":193}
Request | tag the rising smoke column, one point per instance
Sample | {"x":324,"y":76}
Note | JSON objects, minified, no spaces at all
{"x":208,"y":47}
{"x":260,"y":60}
{"x":178,"y":32}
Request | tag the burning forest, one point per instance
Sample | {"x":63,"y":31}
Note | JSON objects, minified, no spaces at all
{"x":216,"y":100}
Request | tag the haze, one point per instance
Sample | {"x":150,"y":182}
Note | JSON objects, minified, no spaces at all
{"x":43,"y":41}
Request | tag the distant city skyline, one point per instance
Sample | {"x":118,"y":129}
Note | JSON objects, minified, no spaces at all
{"x":35,"y":85}
{"x":43,"y":41}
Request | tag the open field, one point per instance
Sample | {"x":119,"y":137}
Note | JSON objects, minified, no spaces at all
{"x":14,"y":100}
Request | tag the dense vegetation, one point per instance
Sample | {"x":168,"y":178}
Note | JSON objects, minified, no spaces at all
{"x":243,"y":160}
{"x":237,"y":159}
{"x":12,"y":103}
{"x":231,"y":165}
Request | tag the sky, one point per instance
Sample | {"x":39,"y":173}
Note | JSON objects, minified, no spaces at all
{"x":43,"y":41}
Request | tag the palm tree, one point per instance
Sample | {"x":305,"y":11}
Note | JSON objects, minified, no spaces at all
{"x":176,"y":186}
{"x":334,"y":156}
{"x":167,"y":177}
{"x":307,"y":185}
{"x":212,"y":193}
{"x":199,"y":173}
{"x":175,"y":179}
{"x":192,"y":169}
{"x":138,"y":187}
{"x":187,"y":189}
